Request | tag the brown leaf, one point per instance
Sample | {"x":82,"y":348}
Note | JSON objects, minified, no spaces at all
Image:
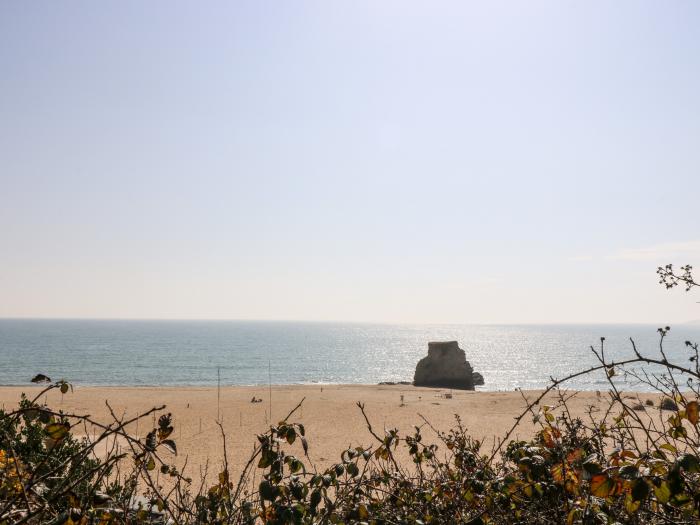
{"x":601,"y":485}
{"x":691,"y":410}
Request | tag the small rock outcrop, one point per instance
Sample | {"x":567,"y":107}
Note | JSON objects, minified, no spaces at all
{"x":445,"y":366}
{"x":478,"y":379}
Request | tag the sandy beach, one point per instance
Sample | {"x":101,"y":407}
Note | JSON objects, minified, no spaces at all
{"x":329,"y":413}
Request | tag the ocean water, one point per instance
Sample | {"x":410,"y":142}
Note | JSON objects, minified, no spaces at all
{"x":96,"y":352}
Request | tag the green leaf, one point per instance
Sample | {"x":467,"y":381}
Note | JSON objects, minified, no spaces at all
{"x":679,"y":432}
{"x":151,"y":440}
{"x":170,"y":445}
{"x":315,"y":498}
{"x":681,"y":499}
{"x":662,"y":492}
{"x":291,"y":435}
{"x":689,"y":463}
{"x":295,"y":465}
{"x":632,"y":505}
{"x":352,"y":469}
{"x":266,"y":459}
{"x":591,"y":466}
{"x":267,"y":490}
{"x":629,"y":472}
{"x":640,"y":490}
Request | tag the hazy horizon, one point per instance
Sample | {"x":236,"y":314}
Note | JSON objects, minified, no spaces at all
{"x":338,"y":321}
{"x":383,"y":162}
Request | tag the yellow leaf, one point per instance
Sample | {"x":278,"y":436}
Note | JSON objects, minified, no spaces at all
{"x":57,"y":431}
{"x":662,"y":492}
{"x":669,"y":447}
{"x":558,"y":472}
{"x":223,"y":477}
{"x":631,"y":505}
{"x":362,"y":512}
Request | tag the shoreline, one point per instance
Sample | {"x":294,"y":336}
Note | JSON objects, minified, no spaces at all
{"x":483,"y":389}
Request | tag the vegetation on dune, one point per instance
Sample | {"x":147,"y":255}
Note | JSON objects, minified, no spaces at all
{"x":631,"y":462}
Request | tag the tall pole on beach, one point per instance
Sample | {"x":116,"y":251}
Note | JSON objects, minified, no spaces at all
{"x":269,"y":382}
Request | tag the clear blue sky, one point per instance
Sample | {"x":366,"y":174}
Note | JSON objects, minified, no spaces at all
{"x":370,"y":161}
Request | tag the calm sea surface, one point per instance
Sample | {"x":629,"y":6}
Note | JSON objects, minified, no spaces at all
{"x":189,"y":352}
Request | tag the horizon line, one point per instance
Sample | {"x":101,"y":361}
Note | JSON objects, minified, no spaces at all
{"x":338,"y":321}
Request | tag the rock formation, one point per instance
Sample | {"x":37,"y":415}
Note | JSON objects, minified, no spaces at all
{"x":478,"y":379}
{"x":445,"y":366}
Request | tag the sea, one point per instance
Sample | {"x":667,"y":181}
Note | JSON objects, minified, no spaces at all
{"x":206,"y":353}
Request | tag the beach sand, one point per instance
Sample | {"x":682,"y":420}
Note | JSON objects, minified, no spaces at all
{"x":329,"y":412}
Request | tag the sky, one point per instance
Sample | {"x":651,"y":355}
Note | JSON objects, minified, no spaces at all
{"x":378,"y":161}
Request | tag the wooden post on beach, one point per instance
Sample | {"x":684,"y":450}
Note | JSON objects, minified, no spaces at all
{"x":269,"y":382}
{"x":218,"y":393}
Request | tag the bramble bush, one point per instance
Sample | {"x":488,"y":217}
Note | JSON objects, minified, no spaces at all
{"x":630,"y":462}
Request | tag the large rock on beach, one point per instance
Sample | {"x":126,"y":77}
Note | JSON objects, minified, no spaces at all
{"x":445,"y":366}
